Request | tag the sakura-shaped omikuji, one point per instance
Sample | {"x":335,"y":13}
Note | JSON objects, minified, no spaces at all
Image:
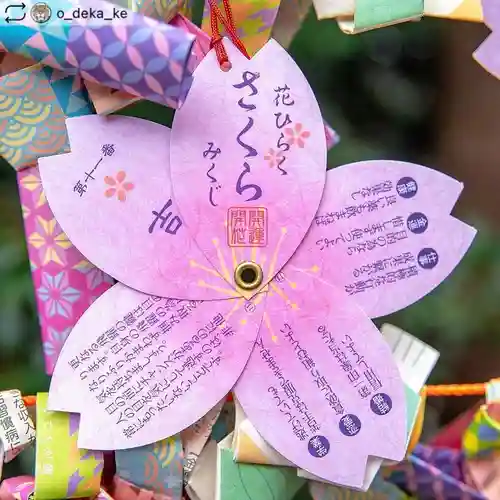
{"x":245,"y":266}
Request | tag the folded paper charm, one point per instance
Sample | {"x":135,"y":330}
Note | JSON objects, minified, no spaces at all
{"x":16,"y":427}
{"x":226,"y":291}
{"x":133,"y":53}
{"x":31,"y":119}
{"x":17,"y":488}
{"x":482,"y":437}
{"x":370,"y":14}
{"x":157,"y":467}
{"x":62,"y":470}
{"x":195,"y":437}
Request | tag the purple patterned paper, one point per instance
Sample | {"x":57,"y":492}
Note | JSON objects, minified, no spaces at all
{"x":136,"y":54}
{"x":433,"y":474}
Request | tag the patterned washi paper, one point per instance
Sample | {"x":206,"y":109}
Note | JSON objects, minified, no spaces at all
{"x":62,"y":469}
{"x":254,"y":20}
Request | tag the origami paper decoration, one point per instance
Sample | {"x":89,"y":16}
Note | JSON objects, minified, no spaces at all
{"x":254,"y":19}
{"x":362,"y":15}
{"x":157,"y":467}
{"x":134,"y":53}
{"x":16,"y":427}
{"x":255,"y":482}
{"x":487,"y":55}
{"x":272,"y":313}
{"x":17,"y":488}
{"x":62,"y":470}
{"x":431,"y":473}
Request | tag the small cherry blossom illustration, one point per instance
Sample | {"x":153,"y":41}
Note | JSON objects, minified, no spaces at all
{"x":273,"y":157}
{"x":119,"y":186}
{"x":296,"y":135}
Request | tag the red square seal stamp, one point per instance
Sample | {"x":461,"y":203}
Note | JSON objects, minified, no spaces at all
{"x":247,"y":227}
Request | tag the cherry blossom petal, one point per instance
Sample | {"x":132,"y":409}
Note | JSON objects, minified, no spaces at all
{"x":222,"y":332}
{"x":307,"y":324}
{"x":282,"y":204}
{"x":109,"y":192}
{"x":406,"y":242}
{"x":110,"y":180}
{"x":122,"y":195}
{"x":128,"y":186}
{"x":145,"y":257}
{"x":120,"y":176}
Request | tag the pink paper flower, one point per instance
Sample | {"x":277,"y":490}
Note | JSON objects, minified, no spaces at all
{"x":273,"y":157}
{"x":120,"y":187}
{"x":271,"y":296}
{"x":296,"y":135}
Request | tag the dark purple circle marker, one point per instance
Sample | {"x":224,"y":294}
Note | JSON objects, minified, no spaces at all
{"x":427,"y":258}
{"x":381,"y":404}
{"x":407,"y":187}
{"x":417,"y":223}
{"x":350,"y":425}
{"x":318,"y":446}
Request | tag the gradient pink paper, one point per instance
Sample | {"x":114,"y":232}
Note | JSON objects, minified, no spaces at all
{"x":373,"y":241}
{"x":488,"y":54}
{"x":182,"y":357}
{"x":65,"y":282}
{"x":200,"y":49}
{"x":320,"y":364}
{"x":245,"y":125}
{"x":115,"y":235}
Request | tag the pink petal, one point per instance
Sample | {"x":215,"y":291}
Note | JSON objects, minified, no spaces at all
{"x":109,"y":192}
{"x":298,"y":127}
{"x":300,"y":143}
{"x":305,"y":134}
{"x":109,"y":180}
{"x":122,"y":195}
{"x":223,"y":365}
{"x":293,"y":365}
{"x":289,"y":131}
{"x":128,"y":186}
{"x":120,"y":176}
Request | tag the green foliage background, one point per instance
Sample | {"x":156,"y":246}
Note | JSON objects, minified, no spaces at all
{"x":378,"y":90}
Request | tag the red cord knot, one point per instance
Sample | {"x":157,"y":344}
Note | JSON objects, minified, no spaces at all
{"x":217,"y":40}
{"x":217,"y":43}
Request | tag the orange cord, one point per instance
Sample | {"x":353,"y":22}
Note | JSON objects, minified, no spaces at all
{"x":455,"y":390}
{"x":31,"y":400}
{"x":428,"y":390}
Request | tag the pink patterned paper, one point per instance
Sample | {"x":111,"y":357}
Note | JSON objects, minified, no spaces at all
{"x":488,"y":54}
{"x":65,"y":282}
{"x":384,"y":234}
{"x":17,"y":488}
{"x":252,"y":141}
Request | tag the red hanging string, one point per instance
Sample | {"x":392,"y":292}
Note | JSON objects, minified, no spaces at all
{"x":230,"y":27}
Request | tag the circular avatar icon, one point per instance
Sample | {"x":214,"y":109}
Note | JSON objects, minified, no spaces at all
{"x":318,"y":446}
{"x":41,"y":12}
{"x":381,"y":404}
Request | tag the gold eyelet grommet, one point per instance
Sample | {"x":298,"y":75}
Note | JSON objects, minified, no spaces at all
{"x":248,"y":275}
